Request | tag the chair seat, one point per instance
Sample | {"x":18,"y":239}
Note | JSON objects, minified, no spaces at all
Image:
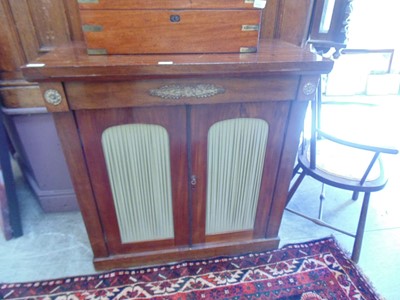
{"x":343,"y":166}
{"x":350,"y":159}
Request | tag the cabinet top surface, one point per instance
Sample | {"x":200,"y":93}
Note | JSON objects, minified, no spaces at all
{"x":71,"y":63}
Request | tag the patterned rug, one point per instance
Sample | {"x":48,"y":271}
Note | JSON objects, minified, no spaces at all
{"x":312,"y":270}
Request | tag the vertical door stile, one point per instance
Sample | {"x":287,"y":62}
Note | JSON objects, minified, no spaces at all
{"x":190,"y":173}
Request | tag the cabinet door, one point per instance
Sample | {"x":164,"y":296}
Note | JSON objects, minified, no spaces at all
{"x":139,"y":178}
{"x":43,"y":25}
{"x":31,"y":28}
{"x":233,"y":169}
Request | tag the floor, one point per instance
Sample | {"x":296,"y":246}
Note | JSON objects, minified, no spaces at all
{"x":55,"y":245}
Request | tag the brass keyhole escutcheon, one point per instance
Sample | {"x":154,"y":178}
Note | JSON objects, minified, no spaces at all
{"x":175,"y":18}
{"x":193,"y":180}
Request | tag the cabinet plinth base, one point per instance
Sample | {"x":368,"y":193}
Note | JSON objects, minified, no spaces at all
{"x":178,"y":254}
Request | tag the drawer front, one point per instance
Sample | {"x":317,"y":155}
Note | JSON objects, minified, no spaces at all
{"x":95,"y":95}
{"x":171,"y":31}
{"x":164,"y":4}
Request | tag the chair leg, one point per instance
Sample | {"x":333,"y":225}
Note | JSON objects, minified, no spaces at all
{"x":355,"y":195}
{"x":295,"y":186}
{"x":360,"y":229}
{"x":296,"y":170}
{"x":321,"y":202}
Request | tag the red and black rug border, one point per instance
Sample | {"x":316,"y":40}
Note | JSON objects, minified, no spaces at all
{"x":120,"y":277}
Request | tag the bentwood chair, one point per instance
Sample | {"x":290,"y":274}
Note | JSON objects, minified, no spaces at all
{"x":344,"y":164}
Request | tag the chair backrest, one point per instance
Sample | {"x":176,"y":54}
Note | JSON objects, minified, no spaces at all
{"x":317,"y":133}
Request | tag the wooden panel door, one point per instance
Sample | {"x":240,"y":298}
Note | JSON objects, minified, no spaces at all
{"x":135,"y":158}
{"x":233,"y":169}
{"x":42,"y":25}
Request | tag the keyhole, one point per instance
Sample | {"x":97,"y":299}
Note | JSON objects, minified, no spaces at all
{"x":175,"y":18}
{"x":193,"y":180}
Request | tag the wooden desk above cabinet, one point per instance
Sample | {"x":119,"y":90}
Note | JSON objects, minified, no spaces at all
{"x":179,"y":156}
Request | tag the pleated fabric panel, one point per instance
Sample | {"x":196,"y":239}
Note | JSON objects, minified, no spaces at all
{"x":138,"y":164}
{"x":236,"y":154}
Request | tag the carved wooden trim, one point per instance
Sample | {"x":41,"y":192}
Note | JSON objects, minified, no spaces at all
{"x":346,"y":20}
{"x":178,"y":91}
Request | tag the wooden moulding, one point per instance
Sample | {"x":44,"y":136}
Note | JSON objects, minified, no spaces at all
{"x":21,"y":97}
{"x":164,"y":4}
{"x":196,"y":252}
{"x":71,"y":63}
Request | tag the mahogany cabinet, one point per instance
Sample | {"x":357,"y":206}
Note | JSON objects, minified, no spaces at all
{"x":179,"y":156}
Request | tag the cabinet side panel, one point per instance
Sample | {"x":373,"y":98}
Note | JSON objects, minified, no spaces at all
{"x":293,"y":21}
{"x":69,"y":137}
{"x":236,"y":154}
{"x":138,"y":165}
{"x":269,"y":17}
{"x":74,"y":21}
{"x":287,"y":161}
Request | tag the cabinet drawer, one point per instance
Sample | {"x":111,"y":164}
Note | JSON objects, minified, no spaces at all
{"x":95,"y":95}
{"x":171,"y":31}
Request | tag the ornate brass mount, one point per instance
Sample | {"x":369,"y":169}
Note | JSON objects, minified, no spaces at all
{"x":178,"y":91}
